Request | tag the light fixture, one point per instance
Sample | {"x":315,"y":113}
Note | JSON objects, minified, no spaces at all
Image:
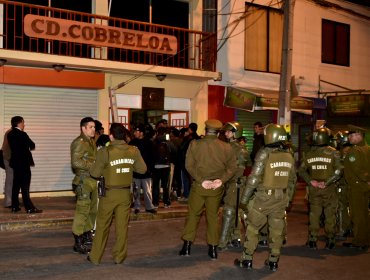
{"x":3,"y":62}
{"x":161,"y":77}
{"x":58,"y":67}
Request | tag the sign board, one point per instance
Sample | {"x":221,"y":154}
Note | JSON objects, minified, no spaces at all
{"x":98,"y":35}
{"x":272,"y":103}
{"x":349,"y":105}
{"x":239,"y":99}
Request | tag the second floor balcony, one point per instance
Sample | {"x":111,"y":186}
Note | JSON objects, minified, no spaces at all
{"x":92,"y":38}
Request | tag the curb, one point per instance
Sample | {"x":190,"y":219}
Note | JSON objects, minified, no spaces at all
{"x":59,"y":222}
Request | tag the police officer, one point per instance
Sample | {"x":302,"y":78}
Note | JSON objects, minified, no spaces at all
{"x":230,"y":233}
{"x":357,"y":175}
{"x":211,"y":162}
{"x":270,"y":187}
{"x":344,"y":220}
{"x":83,"y":153}
{"x":116,"y":163}
{"x":320,"y":169}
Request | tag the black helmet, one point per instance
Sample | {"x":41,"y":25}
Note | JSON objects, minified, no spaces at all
{"x":274,"y":133}
{"x":234,"y":127}
{"x":321,"y":136}
{"x":342,"y":137}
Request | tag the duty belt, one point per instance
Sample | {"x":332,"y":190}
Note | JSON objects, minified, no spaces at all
{"x":272,"y":191}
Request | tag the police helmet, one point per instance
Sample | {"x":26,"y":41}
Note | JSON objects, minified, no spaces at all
{"x":342,"y":137}
{"x":274,"y":133}
{"x":233,"y":127}
{"x":321,"y":136}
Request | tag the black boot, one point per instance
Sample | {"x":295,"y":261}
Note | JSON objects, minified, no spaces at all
{"x":185,"y":251}
{"x":312,"y":245}
{"x":79,"y":246}
{"x":330,"y":243}
{"x":88,"y":238}
{"x":212,"y":252}
{"x":273,"y":265}
{"x":244,"y":263}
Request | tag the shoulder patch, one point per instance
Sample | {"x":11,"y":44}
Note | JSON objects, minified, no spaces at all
{"x":352,"y":158}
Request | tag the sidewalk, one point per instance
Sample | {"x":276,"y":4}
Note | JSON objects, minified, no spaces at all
{"x":59,"y":211}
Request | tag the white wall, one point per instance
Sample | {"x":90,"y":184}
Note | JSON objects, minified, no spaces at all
{"x":306,"y":49}
{"x":180,"y":95}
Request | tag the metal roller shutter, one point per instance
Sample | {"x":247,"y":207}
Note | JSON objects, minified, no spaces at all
{"x":52,"y":118}
{"x":247,"y":119}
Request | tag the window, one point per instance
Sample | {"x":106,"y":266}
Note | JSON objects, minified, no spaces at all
{"x":263,"y":39}
{"x":335,"y":43}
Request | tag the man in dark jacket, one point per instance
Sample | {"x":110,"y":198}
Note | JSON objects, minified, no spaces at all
{"x":185,"y":176}
{"x":21,"y":160}
{"x":161,"y":170}
{"x":143,"y":181}
{"x":258,"y":141}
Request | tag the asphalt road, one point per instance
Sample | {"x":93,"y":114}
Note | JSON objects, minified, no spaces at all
{"x":153,"y":254}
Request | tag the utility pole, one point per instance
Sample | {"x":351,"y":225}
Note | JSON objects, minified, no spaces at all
{"x":284,"y":113}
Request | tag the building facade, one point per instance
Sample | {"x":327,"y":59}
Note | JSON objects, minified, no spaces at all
{"x":61,"y":60}
{"x":330,"y":57}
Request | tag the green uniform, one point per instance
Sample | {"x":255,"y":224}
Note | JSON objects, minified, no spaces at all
{"x":322,"y":164}
{"x":116,"y":163}
{"x":357,"y":175}
{"x":229,"y":231}
{"x":269,"y":189}
{"x":207,"y":159}
{"x":83,"y":153}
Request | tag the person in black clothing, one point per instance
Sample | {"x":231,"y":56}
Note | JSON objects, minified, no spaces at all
{"x":258,"y":141}
{"x":176,"y":141}
{"x":100,"y":138}
{"x":161,"y":170}
{"x":143,"y":181}
{"x":21,"y":160}
{"x":185,"y":176}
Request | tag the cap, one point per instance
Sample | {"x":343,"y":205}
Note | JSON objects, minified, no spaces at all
{"x":140,"y":128}
{"x":213,"y":124}
{"x":355,"y":129}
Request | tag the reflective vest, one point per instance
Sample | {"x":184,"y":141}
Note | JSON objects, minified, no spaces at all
{"x":277,"y":170}
{"x":120,"y":166}
{"x":320,"y":163}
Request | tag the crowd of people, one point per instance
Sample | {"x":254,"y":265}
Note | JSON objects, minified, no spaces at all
{"x":163,"y":164}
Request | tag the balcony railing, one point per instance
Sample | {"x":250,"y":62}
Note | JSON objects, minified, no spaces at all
{"x":195,"y":50}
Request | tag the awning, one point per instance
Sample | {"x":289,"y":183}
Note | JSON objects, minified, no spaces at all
{"x":251,"y":99}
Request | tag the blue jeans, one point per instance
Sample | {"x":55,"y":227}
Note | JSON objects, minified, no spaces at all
{"x":146,"y":185}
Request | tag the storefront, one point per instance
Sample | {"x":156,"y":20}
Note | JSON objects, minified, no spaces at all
{"x":52,"y":115}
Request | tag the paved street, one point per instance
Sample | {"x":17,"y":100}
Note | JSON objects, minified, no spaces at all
{"x":153,"y":254}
